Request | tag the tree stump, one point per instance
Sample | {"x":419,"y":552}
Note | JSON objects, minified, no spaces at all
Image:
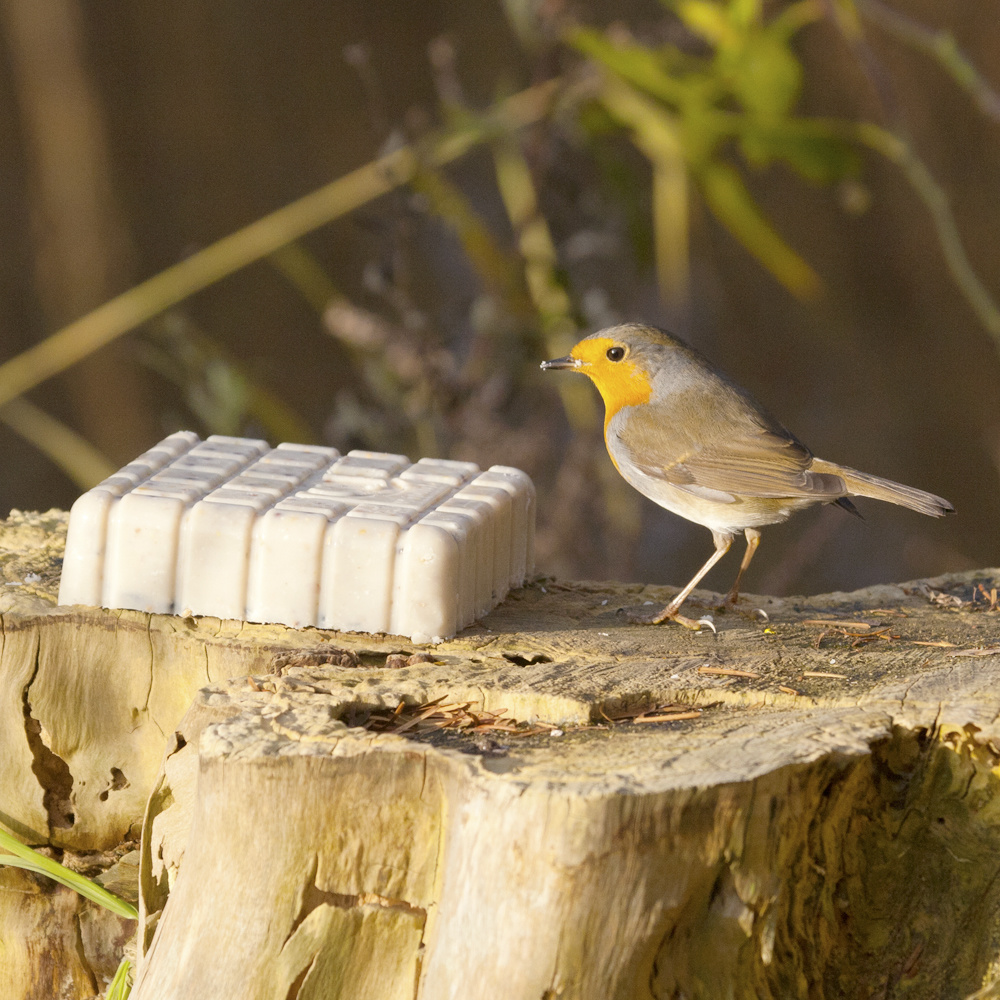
{"x":814,"y":814}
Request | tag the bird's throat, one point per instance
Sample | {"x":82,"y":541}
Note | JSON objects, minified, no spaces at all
{"x":620,"y":383}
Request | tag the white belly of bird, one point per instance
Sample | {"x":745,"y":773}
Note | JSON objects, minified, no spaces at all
{"x":716,"y":510}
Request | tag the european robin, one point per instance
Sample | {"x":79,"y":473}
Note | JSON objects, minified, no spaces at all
{"x":689,"y":438}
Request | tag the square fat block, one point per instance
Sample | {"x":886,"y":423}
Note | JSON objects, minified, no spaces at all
{"x":302,"y":535}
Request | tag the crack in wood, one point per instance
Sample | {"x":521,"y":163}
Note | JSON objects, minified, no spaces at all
{"x":297,"y":983}
{"x":50,"y":769}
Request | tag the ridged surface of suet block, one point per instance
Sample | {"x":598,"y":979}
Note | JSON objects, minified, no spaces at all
{"x":301,"y":535}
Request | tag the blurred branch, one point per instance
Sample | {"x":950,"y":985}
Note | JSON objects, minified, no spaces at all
{"x":405,"y":374}
{"x":899,"y":150}
{"x":520,"y":199}
{"x":359,"y":57}
{"x":942,"y":47}
{"x":82,"y":252}
{"x":495,"y":268}
{"x":401,"y":375}
{"x":550,"y":299}
{"x":304,"y":273}
{"x":75,"y":455}
{"x":378,"y":350}
{"x":656,"y":134}
{"x":733,"y":205}
{"x":216,"y":387}
{"x":843,"y":14}
{"x":895,"y":145}
{"x":559,"y":325}
{"x":259,"y":239}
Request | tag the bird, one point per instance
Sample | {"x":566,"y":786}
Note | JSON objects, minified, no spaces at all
{"x":688,"y":437}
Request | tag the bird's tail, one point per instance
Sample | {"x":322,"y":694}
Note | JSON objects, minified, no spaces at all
{"x":863,"y":484}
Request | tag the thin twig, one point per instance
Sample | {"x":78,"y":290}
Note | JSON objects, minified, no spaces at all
{"x":74,"y":454}
{"x":941,"y":46}
{"x":899,"y":149}
{"x":895,"y":145}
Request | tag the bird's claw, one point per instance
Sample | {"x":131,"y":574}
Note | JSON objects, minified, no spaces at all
{"x":696,"y":624}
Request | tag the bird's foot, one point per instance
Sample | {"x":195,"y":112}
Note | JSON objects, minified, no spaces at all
{"x":728,"y":602}
{"x":731,"y":604}
{"x":695,"y":624}
{"x":658,"y":617}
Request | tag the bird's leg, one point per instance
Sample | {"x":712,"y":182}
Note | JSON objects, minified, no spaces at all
{"x":753,"y":540}
{"x":722,"y":543}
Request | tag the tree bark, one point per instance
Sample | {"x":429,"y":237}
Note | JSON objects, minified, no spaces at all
{"x":824,"y":823}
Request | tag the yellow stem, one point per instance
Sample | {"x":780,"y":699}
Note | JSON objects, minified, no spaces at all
{"x":75,"y":455}
{"x":254,"y":242}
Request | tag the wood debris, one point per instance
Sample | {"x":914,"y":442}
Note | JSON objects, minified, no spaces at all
{"x":979,"y":651}
{"x":981,"y":599}
{"x":938,"y":597}
{"x":467,"y":717}
{"x":320,"y":656}
{"x":669,"y":716}
{"x":990,"y":597}
{"x":455,"y":716}
{"x":859,"y":632}
{"x":857,"y":626}
{"x":657,"y":713}
{"x":727,"y":672}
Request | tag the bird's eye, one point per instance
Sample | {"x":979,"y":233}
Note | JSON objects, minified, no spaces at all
{"x":616,"y":353}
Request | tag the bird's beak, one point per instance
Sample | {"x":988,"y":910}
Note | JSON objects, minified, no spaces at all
{"x":566,"y":362}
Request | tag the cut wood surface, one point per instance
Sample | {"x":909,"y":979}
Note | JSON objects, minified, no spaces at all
{"x":814,"y":814}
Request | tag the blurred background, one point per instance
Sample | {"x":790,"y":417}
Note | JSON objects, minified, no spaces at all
{"x":809,"y":192}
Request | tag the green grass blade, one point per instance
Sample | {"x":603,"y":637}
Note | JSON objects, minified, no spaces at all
{"x":120,"y":986}
{"x":732,"y":204}
{"x":25,"y":857}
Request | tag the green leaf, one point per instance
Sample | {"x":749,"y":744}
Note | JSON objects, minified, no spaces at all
{"x":767,"y":76}
{"x":813,"y":149}
{"x":694,"y":134}
{"x":734,"y":207}
{"x":25,"y":857}
{"x":119,"y":988}
{"x":709,"y":20}
{"x":641,"y":66}
{"x":745,"y":12}
{"x":795,"y":16}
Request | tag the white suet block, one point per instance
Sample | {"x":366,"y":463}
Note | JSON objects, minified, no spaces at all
{"x":302,"y":535}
